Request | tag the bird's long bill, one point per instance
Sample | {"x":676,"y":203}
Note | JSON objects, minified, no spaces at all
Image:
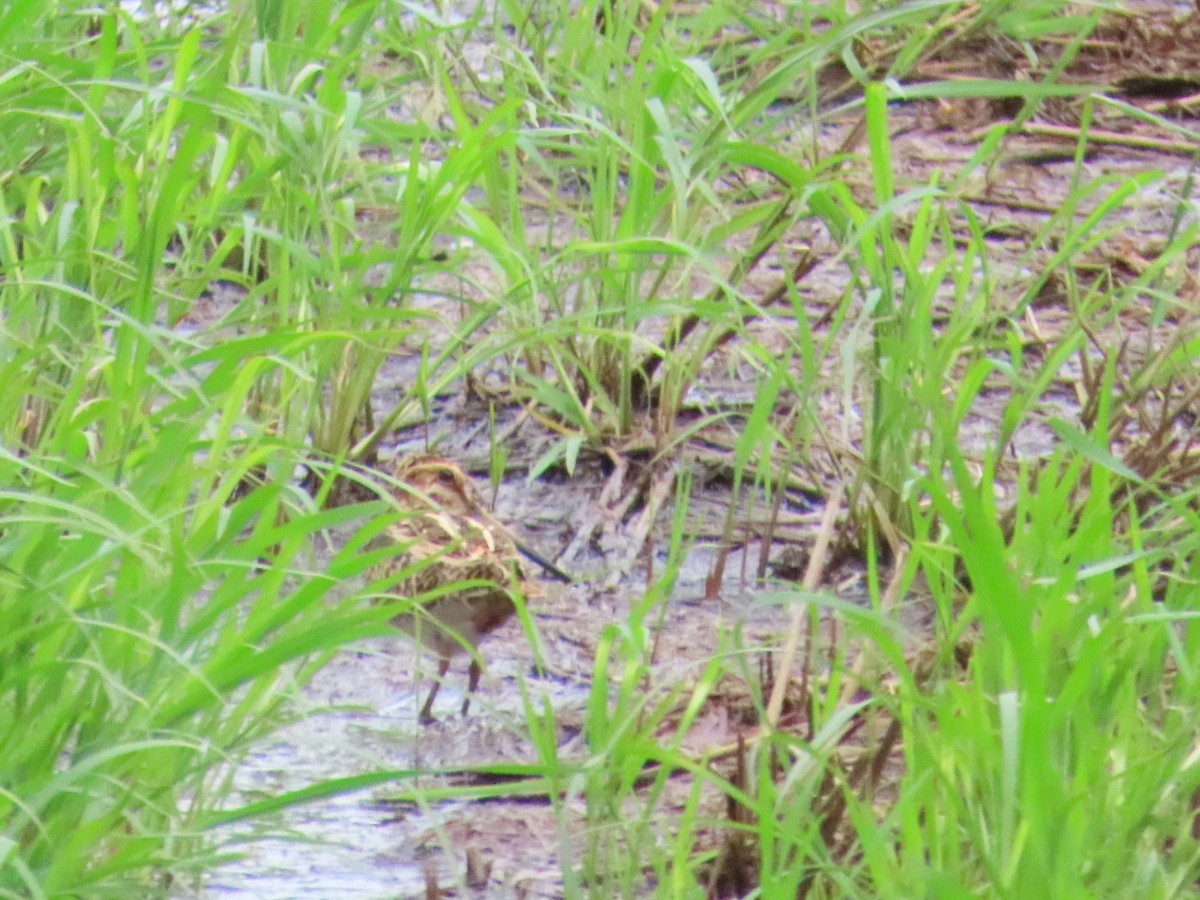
{"x":534,"y":557}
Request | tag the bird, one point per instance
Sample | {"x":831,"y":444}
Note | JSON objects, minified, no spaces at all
{"x":454,"y":560}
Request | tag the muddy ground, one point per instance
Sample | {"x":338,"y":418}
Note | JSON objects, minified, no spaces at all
{"x":365,"y":701}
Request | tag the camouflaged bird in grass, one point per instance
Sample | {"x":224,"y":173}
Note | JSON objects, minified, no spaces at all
{"x":446,"y":527}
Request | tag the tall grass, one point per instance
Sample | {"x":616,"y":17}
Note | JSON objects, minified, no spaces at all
{"x":160,"y":596}
{"x":216,"y":232}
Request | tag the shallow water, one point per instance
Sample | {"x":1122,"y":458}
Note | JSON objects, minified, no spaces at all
{"x":363,"y":719}
{"x":358,"y":845}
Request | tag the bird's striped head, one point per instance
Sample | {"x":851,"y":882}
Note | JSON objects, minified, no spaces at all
{"x":437,"y":479}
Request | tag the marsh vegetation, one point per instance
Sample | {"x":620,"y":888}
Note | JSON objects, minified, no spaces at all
{"x":844,"y":353}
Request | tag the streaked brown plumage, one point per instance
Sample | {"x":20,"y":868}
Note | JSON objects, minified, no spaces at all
{"x":446,"y":523}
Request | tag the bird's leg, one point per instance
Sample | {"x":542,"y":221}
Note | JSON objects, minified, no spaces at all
{"x":426,"y":716}
{"x":472,"y":681}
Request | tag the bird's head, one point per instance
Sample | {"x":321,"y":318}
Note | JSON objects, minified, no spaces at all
{"x":437,"y":479}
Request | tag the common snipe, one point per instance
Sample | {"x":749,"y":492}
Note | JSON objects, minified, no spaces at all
{"x":445,"y":527}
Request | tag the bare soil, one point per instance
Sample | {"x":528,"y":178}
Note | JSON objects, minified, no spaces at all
{"x":595,"y":523}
